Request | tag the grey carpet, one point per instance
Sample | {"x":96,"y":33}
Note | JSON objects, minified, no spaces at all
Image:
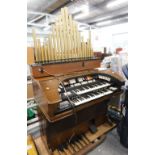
{"x":110,"y":146}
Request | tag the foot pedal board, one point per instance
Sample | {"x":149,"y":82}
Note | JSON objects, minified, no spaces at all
{"x":80,"y":144}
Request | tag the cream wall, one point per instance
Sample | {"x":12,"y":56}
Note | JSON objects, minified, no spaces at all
{"x":110,"y":37}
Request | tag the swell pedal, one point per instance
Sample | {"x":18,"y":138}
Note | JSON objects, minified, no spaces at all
{"x":93,"y":128}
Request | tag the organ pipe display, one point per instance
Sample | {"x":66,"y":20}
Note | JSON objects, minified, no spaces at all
{"x":64,"y":43}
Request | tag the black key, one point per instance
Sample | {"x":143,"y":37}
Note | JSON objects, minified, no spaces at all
{"x":97,"y":93}
{"x":81,"y":88}
{"x":80,"y":98}
{"x":101,"y":91}
{"x":105,"y":90}
{"x":76,"y":90}
{"x":73,"y":100}
{"x":94,"y":93}
{"x":86,"y":97}
{"x":91,"y":86}
{"x":91,"y":95}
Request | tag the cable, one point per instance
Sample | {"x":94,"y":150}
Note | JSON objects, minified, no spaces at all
{"x":71,"y":103}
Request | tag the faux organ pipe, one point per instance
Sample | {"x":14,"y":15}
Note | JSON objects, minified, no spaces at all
{"x":63,"y":43}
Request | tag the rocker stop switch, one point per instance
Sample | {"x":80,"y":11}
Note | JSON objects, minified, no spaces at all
{"x":92,"y":128}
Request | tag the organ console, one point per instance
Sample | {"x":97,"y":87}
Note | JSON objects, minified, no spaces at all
{"x":72,"y":94}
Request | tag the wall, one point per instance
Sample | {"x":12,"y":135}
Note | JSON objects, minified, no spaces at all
{"x":110,"y":37}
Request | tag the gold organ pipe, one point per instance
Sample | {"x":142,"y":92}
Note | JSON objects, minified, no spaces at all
{"x":45,"y":53}
{"x":53,"y":43}
{"x":39,"y":50}
{"x":69,"y":44}
{"x":86,"y":49}
{"x":88,"y":46}
{"x":71,"y":36}
{"x":79,"y":45}
{"x":91,"y":51}
{"x":82,"y":47}
{"x":76,"y":36}
{"x":35,"y":45}
{"x":60,"y":36}
{"x":75,"y":41}
{"x":66,"y":31}
{"x":62,"y":43}
{"x":50,"y":47}
{"x":47,"y":50}
{"x":63,"y":33}
{"x":58,"y":42}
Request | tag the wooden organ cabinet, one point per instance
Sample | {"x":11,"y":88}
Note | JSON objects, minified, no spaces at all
{"x":71,"y":93}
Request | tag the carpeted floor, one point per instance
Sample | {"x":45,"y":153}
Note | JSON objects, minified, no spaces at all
{"x":110,"y":146}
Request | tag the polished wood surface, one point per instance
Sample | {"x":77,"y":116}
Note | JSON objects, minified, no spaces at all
{"x":63,"y":68}
{"x":30,"y":93}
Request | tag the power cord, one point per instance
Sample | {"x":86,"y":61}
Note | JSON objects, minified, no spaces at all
{"x":70,"y":102}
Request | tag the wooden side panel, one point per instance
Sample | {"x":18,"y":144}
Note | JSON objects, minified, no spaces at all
{"x":30,"y":93}
{"x":40,"y":96}
{"x":50,"y":88}
{"x":30,"y":55}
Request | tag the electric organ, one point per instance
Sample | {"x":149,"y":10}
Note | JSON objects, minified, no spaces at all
{"x":72,"y":94}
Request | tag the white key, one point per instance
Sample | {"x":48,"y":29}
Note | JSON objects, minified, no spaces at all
{"x":92,"y":89}
{"x":92,"y":98}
